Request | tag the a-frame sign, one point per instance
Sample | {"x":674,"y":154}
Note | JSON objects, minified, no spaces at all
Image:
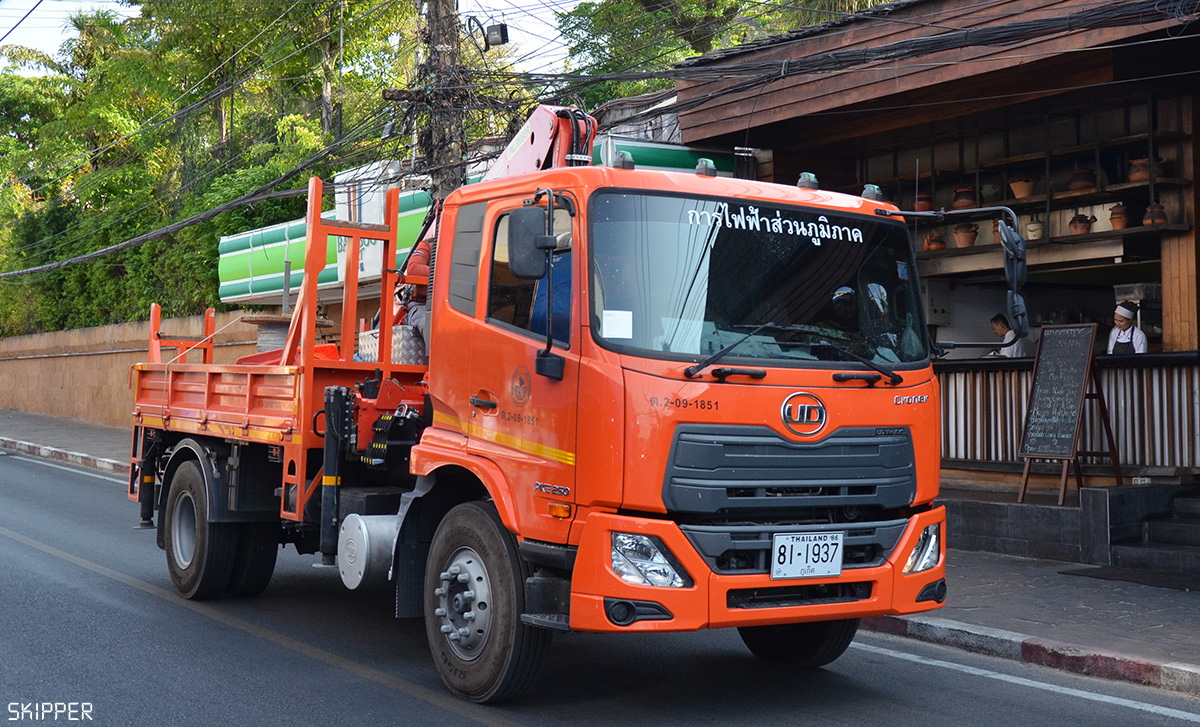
{"x":1063,"y":379}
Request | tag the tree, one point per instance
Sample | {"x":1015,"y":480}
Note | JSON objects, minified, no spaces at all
{"x":139,"y":122}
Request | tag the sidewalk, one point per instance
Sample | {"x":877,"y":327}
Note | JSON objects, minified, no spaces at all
{"x":1016,"y":608}
{"x":66,"y":440}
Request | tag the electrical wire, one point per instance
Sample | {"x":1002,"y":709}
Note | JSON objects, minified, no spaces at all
{"x":22,"y":20}
{"x":1107,"y":16}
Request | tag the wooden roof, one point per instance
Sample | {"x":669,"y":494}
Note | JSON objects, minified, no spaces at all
{"x":908,"y":60}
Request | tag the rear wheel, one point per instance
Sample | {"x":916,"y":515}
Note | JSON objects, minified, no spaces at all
{"x":200,"y":554}
{"x":474,"y":598}
{"x":254,"y":562}
{"x":802,"y":645}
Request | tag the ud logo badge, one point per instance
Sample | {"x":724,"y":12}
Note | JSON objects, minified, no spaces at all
{"x":803,"y":413}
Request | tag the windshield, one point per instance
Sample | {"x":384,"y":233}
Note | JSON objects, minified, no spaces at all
{"x":680,"y":277}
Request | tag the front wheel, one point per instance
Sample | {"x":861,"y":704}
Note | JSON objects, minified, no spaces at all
{"x":200,"y":553}
{"x":802,"y":645}
{"x":474,"y":598}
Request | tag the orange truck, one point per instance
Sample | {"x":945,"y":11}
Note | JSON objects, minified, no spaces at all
{"x":653,"y":401}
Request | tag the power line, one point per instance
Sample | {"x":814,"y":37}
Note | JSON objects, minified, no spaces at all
{"x":26,"y":15}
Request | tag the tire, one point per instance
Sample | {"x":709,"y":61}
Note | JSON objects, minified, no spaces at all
{"x":200,"y":554}
{"x":474,"y":598}
{"x":254,"y":562}
{"x":802,"y":645}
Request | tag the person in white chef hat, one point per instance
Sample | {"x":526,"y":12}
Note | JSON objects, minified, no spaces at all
{"x":1126,"y":338}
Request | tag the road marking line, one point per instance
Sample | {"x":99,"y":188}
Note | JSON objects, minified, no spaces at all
{"x":86,"y":473}
{"x":1021,"y":681}
{"x":436,"y":698}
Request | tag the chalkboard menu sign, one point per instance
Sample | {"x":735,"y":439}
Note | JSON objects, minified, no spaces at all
{"x":1060,"y":379}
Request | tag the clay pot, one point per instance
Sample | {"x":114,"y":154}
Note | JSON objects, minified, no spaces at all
{"x":1082,"y":179}
{"x":1022,"y":186}
{"x":1033,"y":230}
{"x":1155,"y":215}
{"x":924,"y":203}
{"x":964,"y":198}
{"x":934,"y":241}
{"x":1119,"y":217}
{"x":964,"y":234}
{"x":1142,"y":169}
{"x":1081,"y":225}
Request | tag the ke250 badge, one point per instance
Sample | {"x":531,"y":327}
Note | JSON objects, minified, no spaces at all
{"x":548,"y":489}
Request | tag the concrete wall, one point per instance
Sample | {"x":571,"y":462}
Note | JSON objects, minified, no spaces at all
{"x":84,"y":374}
{"x":1029,"y":531}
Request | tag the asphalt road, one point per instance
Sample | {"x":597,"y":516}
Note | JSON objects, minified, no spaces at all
{"x":88,"y":620}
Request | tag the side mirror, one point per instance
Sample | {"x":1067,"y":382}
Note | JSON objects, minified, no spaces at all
{"x":1017,"y":314}
{"x":1014,"y":256}
{"x":527,"y":258}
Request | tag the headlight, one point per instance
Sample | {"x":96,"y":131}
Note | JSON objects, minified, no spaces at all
{"x":641,"y":560}
{"x":928,"y":552}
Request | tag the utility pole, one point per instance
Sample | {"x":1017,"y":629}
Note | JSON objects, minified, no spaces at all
{"x":444,"y":153}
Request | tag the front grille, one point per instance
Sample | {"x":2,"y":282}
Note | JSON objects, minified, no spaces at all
{"x":727,"y":470}
{"x":746,"y":549}
{"x":806,"y":595}
{"x":732,"y":488}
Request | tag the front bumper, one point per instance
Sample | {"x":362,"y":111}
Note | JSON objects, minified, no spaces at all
{"x":721,"y":601}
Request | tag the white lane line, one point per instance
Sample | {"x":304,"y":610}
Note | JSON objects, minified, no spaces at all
{"x":65,"y":468}
{"x":1021,"y":681}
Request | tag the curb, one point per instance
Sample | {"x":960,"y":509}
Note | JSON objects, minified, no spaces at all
{"x":80,"y":459}
{"x":1043,"y":652}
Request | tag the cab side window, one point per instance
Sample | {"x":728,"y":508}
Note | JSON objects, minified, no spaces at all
{"x":522,"y":304}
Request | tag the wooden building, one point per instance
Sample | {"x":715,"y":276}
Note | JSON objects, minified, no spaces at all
{"x":1059,"y":109}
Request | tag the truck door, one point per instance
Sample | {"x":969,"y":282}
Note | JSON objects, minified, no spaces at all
{"x":524,"y":421}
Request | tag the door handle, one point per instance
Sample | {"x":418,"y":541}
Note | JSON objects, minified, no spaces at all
{"x":482,"y":403}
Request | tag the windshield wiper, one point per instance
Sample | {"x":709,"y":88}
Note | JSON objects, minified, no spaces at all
{"x":693,"y":371}
{"x":893,"y":377}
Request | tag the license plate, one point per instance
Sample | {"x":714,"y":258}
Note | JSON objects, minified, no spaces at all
{"x":806,"y":555}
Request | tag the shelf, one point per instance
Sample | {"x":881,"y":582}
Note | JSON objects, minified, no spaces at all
{"x":1083,"y":197}
{"x":1101,"y":246}
{"x":1078,"y":149}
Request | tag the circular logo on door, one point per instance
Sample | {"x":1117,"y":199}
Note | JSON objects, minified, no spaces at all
{"x":803,"y":413}
{"x":521,"y":382}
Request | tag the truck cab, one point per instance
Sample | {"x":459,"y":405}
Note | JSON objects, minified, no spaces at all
{"x":732,"y":423}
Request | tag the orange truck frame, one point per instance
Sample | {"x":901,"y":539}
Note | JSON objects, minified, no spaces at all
{"x":654,"y":401}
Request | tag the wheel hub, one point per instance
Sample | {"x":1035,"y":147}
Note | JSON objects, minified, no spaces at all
{"x":183,"y":529}
{"x":464,"y":598}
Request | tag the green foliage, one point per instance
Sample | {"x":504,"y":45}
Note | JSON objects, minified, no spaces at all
{"x":139,"y":122}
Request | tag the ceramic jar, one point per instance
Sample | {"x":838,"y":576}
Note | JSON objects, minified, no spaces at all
{"x":1155,"y":215}
{"x":1082,"y":179}
{"x":1022,"y":186}
{"x":934,"y":241}
{"x":965,"y":198}
{"x":924,"y":203}
{"x":1142,"y":169}
{"x":964,"y":234}
{"x":1081,"y":224}
{"x":1119,"y":217}
{"x":1033,"y":230}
